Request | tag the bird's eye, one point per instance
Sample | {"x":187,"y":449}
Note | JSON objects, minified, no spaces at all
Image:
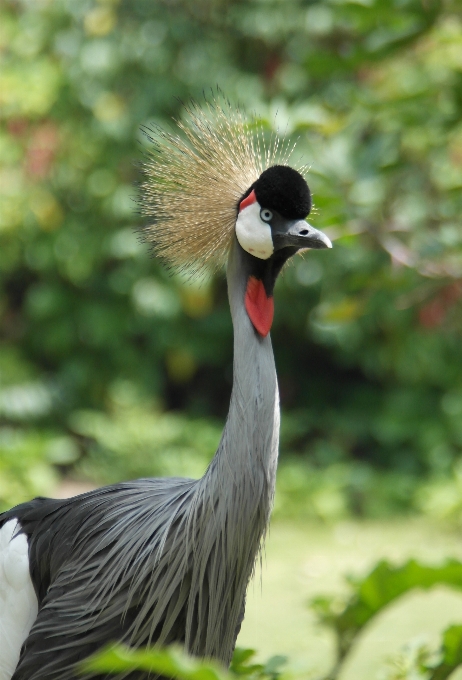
{"x":266,"y":214}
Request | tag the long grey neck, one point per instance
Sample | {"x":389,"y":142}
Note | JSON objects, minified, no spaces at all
{"x":247,"y":456}
{"x":232,"y":501}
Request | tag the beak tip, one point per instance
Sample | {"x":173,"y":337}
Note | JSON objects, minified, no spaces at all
{"x":322,"y":241}
{"x":321,"y":238}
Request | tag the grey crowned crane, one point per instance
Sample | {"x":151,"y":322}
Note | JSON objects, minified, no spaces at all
{"x":169,"y":560}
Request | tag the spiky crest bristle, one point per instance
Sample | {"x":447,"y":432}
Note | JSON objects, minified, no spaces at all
{"x":192,"y":183}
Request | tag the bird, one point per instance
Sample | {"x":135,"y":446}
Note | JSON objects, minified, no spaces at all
{"x":168,"y":560}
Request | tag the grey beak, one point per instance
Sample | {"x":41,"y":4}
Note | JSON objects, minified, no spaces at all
{"x":300,"y":234}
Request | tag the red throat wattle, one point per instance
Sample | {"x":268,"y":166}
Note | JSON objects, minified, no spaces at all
{"x":259,"y":306}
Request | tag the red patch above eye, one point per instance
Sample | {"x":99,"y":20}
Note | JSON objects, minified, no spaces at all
{"x":259,"y":306}
{"x":251,"y":198}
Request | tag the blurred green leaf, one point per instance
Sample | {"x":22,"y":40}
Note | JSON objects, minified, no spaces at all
{"x":370,"y":594}
{"x":171,"y":662}
{"x":451,"y":653}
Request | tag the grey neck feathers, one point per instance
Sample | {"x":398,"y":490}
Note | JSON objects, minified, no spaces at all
{"x":233,"y":500}
{"x":247,"y":455}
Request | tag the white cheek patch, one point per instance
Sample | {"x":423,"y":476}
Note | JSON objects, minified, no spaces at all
{"x":253,"y":234}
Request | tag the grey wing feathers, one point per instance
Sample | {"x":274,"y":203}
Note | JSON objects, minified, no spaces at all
{"x":97,"y":562}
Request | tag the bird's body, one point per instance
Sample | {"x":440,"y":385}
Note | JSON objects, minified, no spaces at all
{"x":164,"y":560}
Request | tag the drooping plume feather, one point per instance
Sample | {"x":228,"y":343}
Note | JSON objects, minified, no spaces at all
{"x":193,"y":183}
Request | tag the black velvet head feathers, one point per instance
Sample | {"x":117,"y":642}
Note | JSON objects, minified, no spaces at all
{"x":283,"y":189}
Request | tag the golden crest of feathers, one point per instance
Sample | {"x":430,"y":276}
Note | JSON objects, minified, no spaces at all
{"x":193,"y":181}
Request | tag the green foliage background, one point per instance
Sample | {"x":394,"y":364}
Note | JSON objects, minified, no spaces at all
{"x":109,"y":368}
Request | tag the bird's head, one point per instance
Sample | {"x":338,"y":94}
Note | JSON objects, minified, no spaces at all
{"x":272,"y":212}
{"x":271,"y":227}
{"x":219,"y":185}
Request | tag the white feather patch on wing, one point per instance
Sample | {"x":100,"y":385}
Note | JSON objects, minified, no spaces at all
{"x":18,"y":601}
{"x":253,"y":233}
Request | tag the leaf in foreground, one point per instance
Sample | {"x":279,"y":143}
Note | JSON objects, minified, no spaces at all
{"x":384,"y":584}
{"x":171,"y":662}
